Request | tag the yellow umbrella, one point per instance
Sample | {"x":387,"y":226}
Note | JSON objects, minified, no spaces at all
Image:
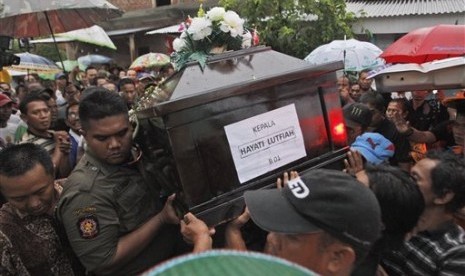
{"x":5,"y":76}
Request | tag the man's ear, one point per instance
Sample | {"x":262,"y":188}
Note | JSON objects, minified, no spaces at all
{"x":444,"y":199}
{"x":341,"y":260}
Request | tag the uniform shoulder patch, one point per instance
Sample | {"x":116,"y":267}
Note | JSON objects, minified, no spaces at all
{"x":88,"y":227}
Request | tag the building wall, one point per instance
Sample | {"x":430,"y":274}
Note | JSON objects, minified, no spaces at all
{"x":131,"y":5}
{"x":386,"y":30}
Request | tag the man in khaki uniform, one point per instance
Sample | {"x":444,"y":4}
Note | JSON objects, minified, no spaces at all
{"x":113,"y":217}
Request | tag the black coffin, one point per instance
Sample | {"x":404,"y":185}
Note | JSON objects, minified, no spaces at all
{"x":184,"y":139}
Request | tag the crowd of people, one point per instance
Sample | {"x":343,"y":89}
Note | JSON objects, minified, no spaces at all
{"x":76,"y":200}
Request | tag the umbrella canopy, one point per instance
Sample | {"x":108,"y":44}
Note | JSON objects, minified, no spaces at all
{"x":427,"y":44}
{"x":228,"y":263}
{"x":356,"y":55}
{"x":94,"y":35}
{"x":28,"y":18}
{"x":70,"y":64}
{"x":439,"y":74}
{"x":34,"y":64}
{"x":94,"y":59}
{"x":150,"y":60}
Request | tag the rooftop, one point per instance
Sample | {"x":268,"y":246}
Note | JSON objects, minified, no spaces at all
{"x":390,"y":8}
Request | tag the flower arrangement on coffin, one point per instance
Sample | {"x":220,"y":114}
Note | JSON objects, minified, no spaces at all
{"x":207,"y":34}
{"x":210,"y":33}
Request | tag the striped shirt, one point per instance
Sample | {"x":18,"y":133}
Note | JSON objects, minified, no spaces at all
{"x":47,"y":143}
{"x":429,"y":253}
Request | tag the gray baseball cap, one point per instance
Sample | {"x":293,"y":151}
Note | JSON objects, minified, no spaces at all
{"x":320,"y":199}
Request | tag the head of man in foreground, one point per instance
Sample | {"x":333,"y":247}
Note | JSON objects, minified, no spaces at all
{"x":27,"y":179}
{"x":105,"y":126}
{"x":325,"y":220}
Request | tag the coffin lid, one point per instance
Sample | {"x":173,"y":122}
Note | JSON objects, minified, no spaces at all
{"x":227,"y":74}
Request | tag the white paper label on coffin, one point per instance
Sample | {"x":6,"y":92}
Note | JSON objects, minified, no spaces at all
{"x":265,"y":142}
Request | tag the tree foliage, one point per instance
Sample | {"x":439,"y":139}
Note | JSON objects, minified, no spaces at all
{"x":46,"y":50}
{"x":49,"y":51}
{"x":295,"y":27}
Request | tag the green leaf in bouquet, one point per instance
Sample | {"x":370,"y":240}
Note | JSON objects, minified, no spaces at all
{"x":200,"y":57}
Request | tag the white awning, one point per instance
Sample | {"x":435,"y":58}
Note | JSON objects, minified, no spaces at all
{"x":174,"y":29}
{"x":50,"y":40}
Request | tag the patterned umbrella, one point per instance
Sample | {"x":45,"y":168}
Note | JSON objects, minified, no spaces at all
{"x":356,"y":55}
{"x":34,"y":64}
{"x":150,"y":60}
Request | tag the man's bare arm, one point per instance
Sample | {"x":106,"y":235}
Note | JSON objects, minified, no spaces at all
{"x":411,"y":133}
{"x":196,"y":232}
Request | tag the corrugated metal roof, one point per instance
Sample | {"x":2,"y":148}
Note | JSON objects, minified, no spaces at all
{"x":389,"y":8}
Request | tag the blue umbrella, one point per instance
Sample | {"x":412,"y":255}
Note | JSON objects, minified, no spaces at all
{"x":35,"y":64}
{"x":94,"y":59}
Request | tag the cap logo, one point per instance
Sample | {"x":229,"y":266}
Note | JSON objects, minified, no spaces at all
{"x":356,"y":111}
{"x":372,"y":144}
{"x":298,"y":188}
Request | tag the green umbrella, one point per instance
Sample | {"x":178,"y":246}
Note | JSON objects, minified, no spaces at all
{"x":228,"y":263}
{"x":70,"y":64}
{"x":94,"y":35}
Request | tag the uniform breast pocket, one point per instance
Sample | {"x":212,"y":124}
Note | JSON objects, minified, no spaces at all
{"x":130,"y":201}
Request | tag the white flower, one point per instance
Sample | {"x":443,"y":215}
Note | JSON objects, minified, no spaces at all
{"x":216,"y":14}
{"x":179,"y":44}
{"x":247,"y":40}
{"x":200,"y":28}
{"x":232,"y":23}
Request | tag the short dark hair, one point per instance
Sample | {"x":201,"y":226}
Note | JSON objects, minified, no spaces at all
{"x":45,"y":94}
{"x":400,"y":199}
{"x":100,"y":104}
{"x":69,"y":106}
{"x":90,"y":68}
{"x":363,"y":71}
{"x":125,"y":81}
{"x":448,"y":176}
{"x":31,"y":97}
{"x":326,"y":239}
{"x":374,"y":99}
{"x":19,"y":159}
{"x":99,"y":76}
{"x":402,"y":102}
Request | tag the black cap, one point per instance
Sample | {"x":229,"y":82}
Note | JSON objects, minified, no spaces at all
{"x":357,"y":114}
{"x":320,"y":199}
